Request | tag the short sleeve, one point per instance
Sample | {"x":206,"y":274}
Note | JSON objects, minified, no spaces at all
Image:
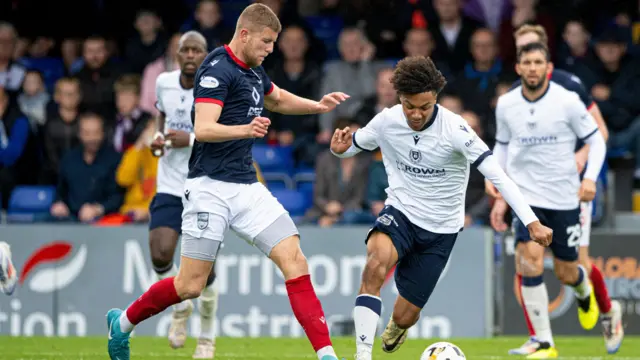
{"x":159,"y":104}
{"x":213,"y":85}
{"x":266,"y":82}
{"x":503,"y":134}
{"x":580,"y":120}
{"x":466,"y":141}
{"x":366,"y":138}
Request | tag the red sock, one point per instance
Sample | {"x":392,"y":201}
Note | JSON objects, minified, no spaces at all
{"x":160,"y":296}
{"x":600,"y":290}
{"x":532,"y":332}
{"x":308,"y":310}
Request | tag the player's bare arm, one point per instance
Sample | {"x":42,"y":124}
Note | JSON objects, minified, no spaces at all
{"x":207,"y":129}
{"x":157,"y":144}
{"x":284,"y":102}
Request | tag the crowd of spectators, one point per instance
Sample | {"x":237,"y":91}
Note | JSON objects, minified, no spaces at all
{"x":75,"y":112}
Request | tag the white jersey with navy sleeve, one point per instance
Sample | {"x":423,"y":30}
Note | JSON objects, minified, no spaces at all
{"x":428,"y":170}
{"x":541,"y":140}
{"x":175,"y":103}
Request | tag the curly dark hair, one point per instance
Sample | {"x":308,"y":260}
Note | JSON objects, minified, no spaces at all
{"x":417,"y":74}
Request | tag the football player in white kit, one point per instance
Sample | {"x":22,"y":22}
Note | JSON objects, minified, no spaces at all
{"x":8,"y":273}
{"x":173,"y":141}
{"x":538,"y":125}
{"x":427,"y":151}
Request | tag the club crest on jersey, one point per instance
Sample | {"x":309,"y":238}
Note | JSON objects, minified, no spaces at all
{"x":209,"y":82}
{"x":203,"y":220}
{"x":531,"y":125}
{"x":180,"y":113}
{"x":415,"y":156}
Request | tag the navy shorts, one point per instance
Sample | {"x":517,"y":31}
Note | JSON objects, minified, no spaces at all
{"x":166,"y":211}
{"x":422,"y":255}
{"x":566,"y":231}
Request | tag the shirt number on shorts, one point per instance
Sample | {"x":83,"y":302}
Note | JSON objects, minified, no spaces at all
{"x":574,"y":233}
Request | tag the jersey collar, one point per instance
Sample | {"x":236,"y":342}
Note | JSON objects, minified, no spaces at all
{"x":539,"y":97}
{"x":233,"y":56}
{"x":433,"y":118}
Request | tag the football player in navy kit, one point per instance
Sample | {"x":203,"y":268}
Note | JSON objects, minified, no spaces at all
{"x":222,"y":191}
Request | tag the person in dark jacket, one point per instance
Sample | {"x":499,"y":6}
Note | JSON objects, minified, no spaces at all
{"x":87,"y":187}
{"x":18,"y":151}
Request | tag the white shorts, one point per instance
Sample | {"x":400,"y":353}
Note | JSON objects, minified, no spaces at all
{"x":212,"y":206}
{"x":586,"y":209}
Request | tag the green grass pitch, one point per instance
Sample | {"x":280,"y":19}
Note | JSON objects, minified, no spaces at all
{"x":145,"y":348}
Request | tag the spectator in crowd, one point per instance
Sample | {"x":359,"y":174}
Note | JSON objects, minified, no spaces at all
{"x":137,"y":174}
{"x":339,"y":192}
{"x":299,"y":76}
{"x":524,"y":12}
{"x":167,"y":62}
{"x":356,"y":63}
{"x":477,"y":82}
{"x":377,"y":185}
{"x":451,"y":33}
{"x":488,"y":12}
{"x":11,"y":73}
{"x":208,"y":22}
{"x":419,"y":42}
{"x":87,"y":187}
{"x":130,"y":120}
{"x":575,"y":48}
{"x":148,"y":44}
{"x":34,"y":99}
{"x":613,"y":78}
{"x":451,"y":102}
{"x":70,"y":51}
{"x":97,"y":77}
{"x":18,"y":152}
{"x":477,"y":206}
{"x":60,"y":132}
{"x":385,"y":97}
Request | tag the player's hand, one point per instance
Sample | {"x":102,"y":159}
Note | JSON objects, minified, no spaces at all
{"x":341,"y":140}
{"x":330,"y":101}
{"x":259,"y":127}
{"x":157,"y":144}
{"x":491,"y":190}
{"x":587,"y":190}
{"x":177,"y":139}
{"x":497,"y":215}
{"x":540,"y":233}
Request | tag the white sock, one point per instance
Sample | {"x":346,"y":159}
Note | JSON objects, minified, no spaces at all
{"x":365,"y":316}
{"x":208,"y":306}
{"x":173,"y":271}
{"x":582,"y":287}
{"x":125,"y":325}
{"x":536,"y":300}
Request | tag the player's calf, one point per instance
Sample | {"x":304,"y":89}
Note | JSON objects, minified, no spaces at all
{"x":576,"y":276}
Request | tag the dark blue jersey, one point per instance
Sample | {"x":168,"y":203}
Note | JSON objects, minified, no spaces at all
{"x":225,"y":80}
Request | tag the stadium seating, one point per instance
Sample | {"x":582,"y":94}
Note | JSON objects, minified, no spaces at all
{"x":294,"y":201}
{"x":273,"y":158}
{"x":30,"y":203}
{"x":52,"y":69}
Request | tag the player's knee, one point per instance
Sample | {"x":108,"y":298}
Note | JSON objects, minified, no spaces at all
{"x":375,"y":271}
{"x":288,"y":256}
{"x":531,"y":263}
{"x":567,"y":273}
{"x":162,"y":250}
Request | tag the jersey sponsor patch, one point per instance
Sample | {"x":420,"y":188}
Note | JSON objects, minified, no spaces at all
{"x":209,"y":82}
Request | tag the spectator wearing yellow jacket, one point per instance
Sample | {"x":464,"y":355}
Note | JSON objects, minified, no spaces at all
{"x":259,"y":173}
{"x":137,"y":174}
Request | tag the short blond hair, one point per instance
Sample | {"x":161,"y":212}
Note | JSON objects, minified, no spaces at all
{"x":128,"y":82}
{"x":256,"y":17}
{"x":536,"y":29}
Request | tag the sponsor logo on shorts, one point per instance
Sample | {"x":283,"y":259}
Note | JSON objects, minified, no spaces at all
{"x":203,"y":220}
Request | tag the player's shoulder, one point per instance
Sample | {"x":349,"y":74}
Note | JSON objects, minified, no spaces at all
{"x":566,"y":79}
{"x":217,"y":62}
{"x":557,"y":91}
{"x":511,"y":97}
{"x":168,"y":79}
{"x":387,"y":116}
{"x":450,"y":120}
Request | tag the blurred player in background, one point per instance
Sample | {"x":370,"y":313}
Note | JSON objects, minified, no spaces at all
{"x":428,"y":151}
{"x":538,"y":126}
{"x":221,"y":190}
{"x":8,"y":273}
{"x":611,"y":311}
{"x":173,"y":142}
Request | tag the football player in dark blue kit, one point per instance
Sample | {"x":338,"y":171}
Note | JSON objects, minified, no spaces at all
{"x":222,"y":191}
{"x":610,"y":310}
